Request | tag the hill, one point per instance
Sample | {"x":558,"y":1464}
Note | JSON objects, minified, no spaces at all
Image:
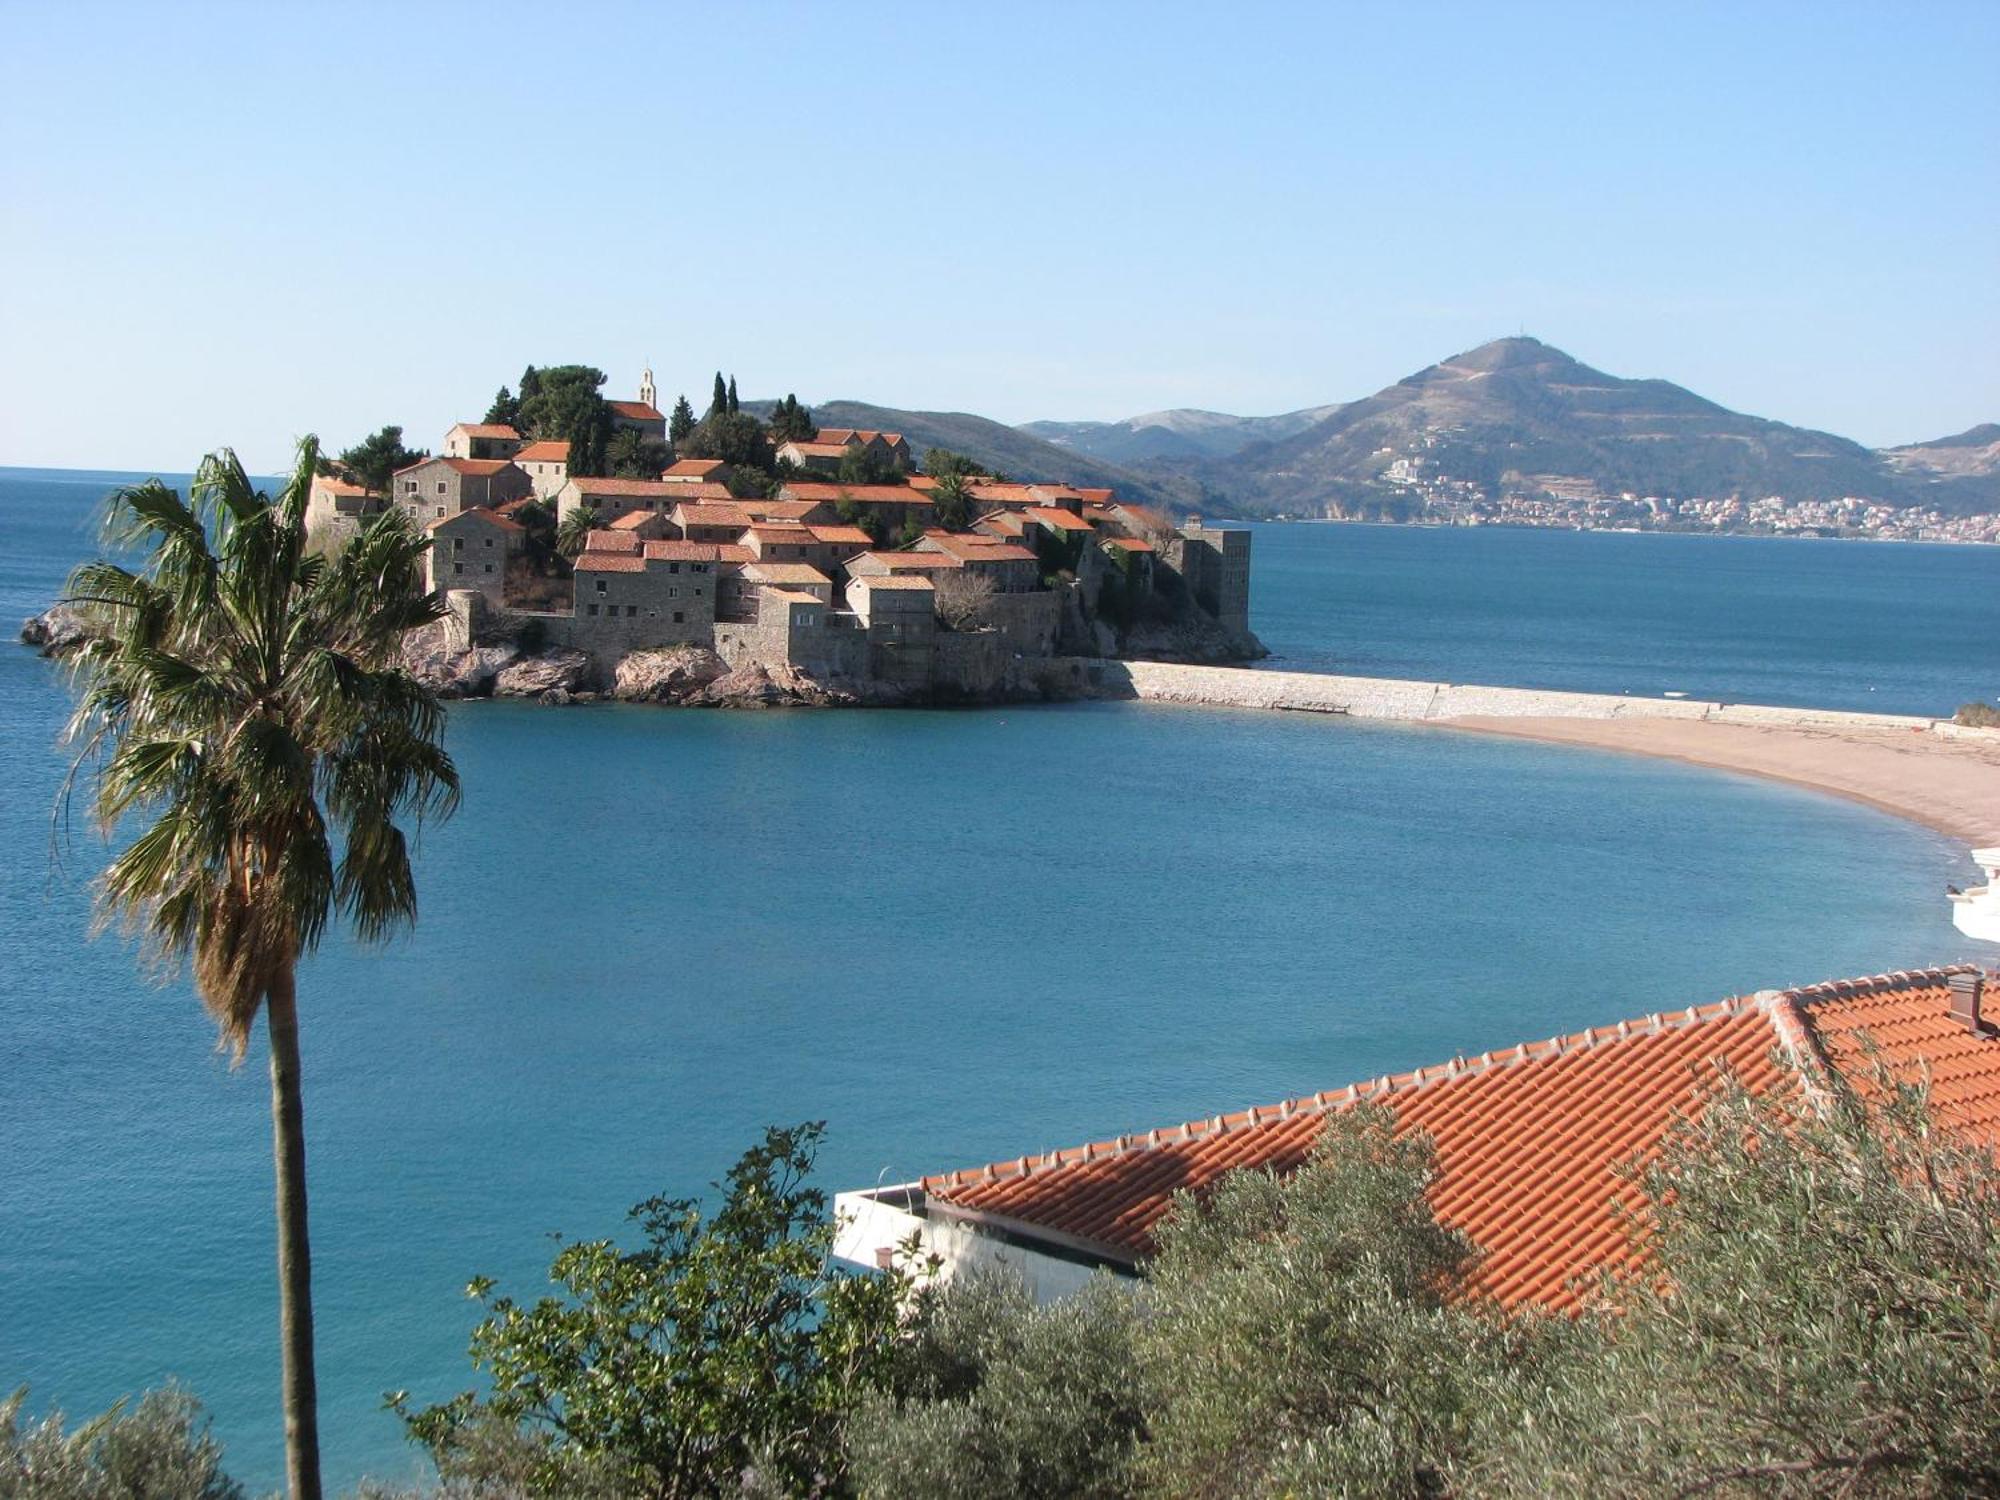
{"x":1181,"y":434}
{"x":1518,"y":415}
{"x":1017,"y":454}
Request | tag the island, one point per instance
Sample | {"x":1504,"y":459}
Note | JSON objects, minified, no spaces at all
{"x":808,"y":566}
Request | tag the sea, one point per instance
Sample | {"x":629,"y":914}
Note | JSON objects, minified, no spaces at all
{"x":954,"y":936}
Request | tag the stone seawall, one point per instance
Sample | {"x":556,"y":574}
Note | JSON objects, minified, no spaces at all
{"x":1391,"y":698}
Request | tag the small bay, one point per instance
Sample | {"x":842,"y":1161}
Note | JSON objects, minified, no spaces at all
{"x":953,"y":935}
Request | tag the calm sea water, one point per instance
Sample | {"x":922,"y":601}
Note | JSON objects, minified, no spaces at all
{"x":955,"y":936}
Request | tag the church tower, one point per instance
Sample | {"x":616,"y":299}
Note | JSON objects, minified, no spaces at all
{"x":646,"y":392}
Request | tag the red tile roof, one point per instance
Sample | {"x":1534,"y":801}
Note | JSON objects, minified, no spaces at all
{"x":632,"y":520}
{"x":1532,"y":1141}
{"x":611,"y":562}
{"x":682,"y":551}
{"x":907,"y":562}
{"x":781,"y":531}
{"x":1130,"y":544}
{"x":636,"y":411}
{"x":731,"y":552}
{"x":1096,"y":497}
{"x":336,"y":486}
{"x":895,"y":581}
{"x":485,"y":429}
{"x":974,"y":547}
{"x":816,"y":450}
{"x":694,"y":468}
{"x":838,"y":534}
{"x":778,"y":510}
{"x":711,"y":515}
{"x":1059,"y":520}
{"x":545,"y":451}
{"x":644,"y":489}
{"x":603,"y":539}
{"x":462,"y":465}
{"x":784,"y":572}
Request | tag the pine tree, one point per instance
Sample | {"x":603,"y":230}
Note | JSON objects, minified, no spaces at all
{"x":681,"y":423}
{"x":531,"y":383}
{"x":732,"y":393}
{"x":719,"y":403}
{"x":504,"y":409}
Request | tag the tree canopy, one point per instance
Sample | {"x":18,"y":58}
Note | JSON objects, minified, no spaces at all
{"x":564,"y":405}
{"x":680,"y":423}
{"x":371,"y":462}
{"x":791,"y":422}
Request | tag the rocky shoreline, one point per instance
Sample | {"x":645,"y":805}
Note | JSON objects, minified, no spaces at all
{"x":694,"y":676}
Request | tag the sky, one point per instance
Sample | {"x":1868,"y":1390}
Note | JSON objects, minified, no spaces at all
{"x":237,"y":223}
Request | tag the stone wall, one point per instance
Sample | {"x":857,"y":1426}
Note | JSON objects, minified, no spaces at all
{"x":1391,"y":698}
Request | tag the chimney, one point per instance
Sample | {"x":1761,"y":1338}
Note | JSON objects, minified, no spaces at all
{"x":1967,"y":991}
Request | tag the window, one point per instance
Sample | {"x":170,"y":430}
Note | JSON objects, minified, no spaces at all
{"x":489,"y":567}
{"x":697,"y":567}
{"x":458,"y":544}
{"x":409,"y":486}
{"x":673,"y":593}
{"x":440,"y":512}
{"x":457,"y":568}
{"x":489,"y":541}
{"x":600,"y":585}
{"x":697,"y":593}
{"x":673,"y":567}
{"x":440,"y":486}
{"x":593,"y":609}
{"x":679,"y":618}
{"x":631,"y":611}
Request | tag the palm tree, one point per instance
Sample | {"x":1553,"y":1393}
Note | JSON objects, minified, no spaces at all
{"x":245,"y":696}
{"x":573,"y":535}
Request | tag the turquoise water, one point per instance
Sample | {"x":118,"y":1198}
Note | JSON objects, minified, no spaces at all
{"x":955,"y":936}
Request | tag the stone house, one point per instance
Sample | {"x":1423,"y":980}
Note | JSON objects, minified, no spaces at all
{"x":698,"y":471}
{"x":648,"y":525}
{"x":802,"y":578}
{"x":1012,"y":568}
{"x":1215,"y":562}
{"x":778,"y":541}
{"x":471,"y":550}
{"x":337,"y":508}
{"x":641,"y":417}
{"x":711,"y":521}
{"x":891,"y":445}
{"x":901,"y":564}
{"x":546,"y":463}
{"x":481,"y":440}
{"x":840,"y":544}
{"x":628,"y":602}
{"x":436,"y":488}
{"x":814,"y":457}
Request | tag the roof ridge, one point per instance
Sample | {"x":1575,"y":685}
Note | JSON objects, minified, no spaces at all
{"x":1894,"y":979}
{"x":1327,"y":1101}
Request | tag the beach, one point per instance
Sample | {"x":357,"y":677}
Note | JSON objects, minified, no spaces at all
{"x":1949,"y":783}
{"x":1928,"y":770}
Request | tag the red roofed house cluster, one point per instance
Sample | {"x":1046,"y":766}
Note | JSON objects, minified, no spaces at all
{"x":1532,"y":1141}
{"x":838,"y":581}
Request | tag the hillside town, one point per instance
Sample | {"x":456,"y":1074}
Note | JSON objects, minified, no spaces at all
{"x":903,"y":587}
{"x":1566,"y":502}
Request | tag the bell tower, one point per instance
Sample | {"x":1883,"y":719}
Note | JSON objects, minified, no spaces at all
{"x":646,"y":392}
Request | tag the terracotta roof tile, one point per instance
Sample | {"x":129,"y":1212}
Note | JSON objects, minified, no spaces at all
{"x":1531,"y":1141}
{"x":839,"y":534}
{"x":636,"y":411}
{"x":486,"y":430}
{"x":694,"y":468}
{"x":1057,"y":520}
{"x":1130,"y":544}
{"x":894,"y":581}
{"x":646,"y":489}
{"x":711,"y":515}
{"x":908,"y":562}
{"x":784,"y":572}
{"x":604,"y":539}
{"x":544,"y":451}
{"x":861,"y":494}
{"x":682,"y":551}
{"x":481,"y":515}
{"x":611,"y":562}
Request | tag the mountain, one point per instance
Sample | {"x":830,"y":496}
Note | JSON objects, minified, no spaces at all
{"x":1517,"y":415}
{"x":1184,"y":433}
{"x":1975,"y":452}
{"x":1010,"y":451}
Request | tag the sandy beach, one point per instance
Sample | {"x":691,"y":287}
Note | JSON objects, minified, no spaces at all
{"x":1952,"y":785}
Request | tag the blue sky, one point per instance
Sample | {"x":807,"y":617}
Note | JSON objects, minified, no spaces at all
{"x":237,"y":223}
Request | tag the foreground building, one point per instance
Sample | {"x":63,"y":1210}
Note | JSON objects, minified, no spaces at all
{"x":1531,"y":1141}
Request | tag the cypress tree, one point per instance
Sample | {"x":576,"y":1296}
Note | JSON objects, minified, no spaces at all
{"x":531,"y":383}
{"x":719,"y":403}
{"x":732,"y":393}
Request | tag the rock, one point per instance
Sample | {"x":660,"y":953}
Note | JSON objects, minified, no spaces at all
{"x":756,"y":686}
{"x":669,"y":675}
{"x":57,"y":630}
{"x":560,"y":669}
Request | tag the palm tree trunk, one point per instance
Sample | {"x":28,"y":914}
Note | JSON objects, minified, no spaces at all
{"x":288,"y":1142}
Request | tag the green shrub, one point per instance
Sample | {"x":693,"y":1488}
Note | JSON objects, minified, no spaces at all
{"x":160,"y":1449}
{"x":997,"y":1398}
